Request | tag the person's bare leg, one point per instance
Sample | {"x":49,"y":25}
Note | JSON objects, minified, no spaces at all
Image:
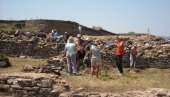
{"x":97,"y":71}
{"x":92,"y":71}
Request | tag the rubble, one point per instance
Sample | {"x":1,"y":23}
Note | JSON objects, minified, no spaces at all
{"x":54,"y":67}
{"x":153,"y":51}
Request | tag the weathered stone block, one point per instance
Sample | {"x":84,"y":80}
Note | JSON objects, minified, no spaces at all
{"x":54,"y":93}
{"x":4,"y":88}
{"x":80,"y":95}
{"x":44,"y":92}
{"x":45,"y":84}
{"x":3,"y":79}
{"x":25,"y":82}
{"x":16,"y":87}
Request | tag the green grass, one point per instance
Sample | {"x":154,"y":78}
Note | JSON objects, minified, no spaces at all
{"x":148,"y":78}
{"x":19,"y":63}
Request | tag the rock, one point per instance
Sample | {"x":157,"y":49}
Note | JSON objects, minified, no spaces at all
{"x":4,"y":88}
{"x":4,"y":64}
{"x":3,"y":79}
{"x":22,"y":57}
{"x":45,"y":84}
{"x":44,"y":92}
{"x":64,"y":95}
{"x":24,"y":82}
{"x":80,"y":95}
{"x":94,"y":95}
{"x":54,"y":93}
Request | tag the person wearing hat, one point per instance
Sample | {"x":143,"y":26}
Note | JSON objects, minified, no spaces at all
{"x":70,"y":49}
{"x":133,"y":54}
{"x":86,"y":60}
{"x":119,"y":54}
{"x":66,"y":37}
{"x":80,"y":50}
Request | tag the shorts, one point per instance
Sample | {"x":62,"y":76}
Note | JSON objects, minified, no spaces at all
{"x":95,"y":62}
{"x":87,"y":62}
{"x":81,"y":54}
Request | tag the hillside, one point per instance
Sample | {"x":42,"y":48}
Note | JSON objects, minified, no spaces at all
{"x":48,"y":25}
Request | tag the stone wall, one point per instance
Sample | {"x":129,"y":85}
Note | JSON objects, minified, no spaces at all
{"x":30,"y":48}
{"x":153,"y":51}
{"x":22,"y":86}
{"x":35,"y":83}
{"x":53,"y":86}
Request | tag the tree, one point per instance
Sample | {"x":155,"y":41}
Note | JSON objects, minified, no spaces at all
{"x":97,"y":28}
{"x":131,"y":33}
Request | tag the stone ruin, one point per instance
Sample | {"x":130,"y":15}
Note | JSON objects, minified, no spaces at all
{"x":155,"y":54}
{"x":44,"y":81}
{"x":46,"y":85}
{"x":29,"y":46}
{"x":40,"y":85}
{"x":153,"y":51}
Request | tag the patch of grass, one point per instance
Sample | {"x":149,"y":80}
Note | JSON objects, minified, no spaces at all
{"x":107,"y":82}
{"x":148,"y":78}
{"x":19,"y":63}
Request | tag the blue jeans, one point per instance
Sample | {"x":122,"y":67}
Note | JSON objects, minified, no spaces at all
{"x":71,"y":63}
{"x":132,"y":61}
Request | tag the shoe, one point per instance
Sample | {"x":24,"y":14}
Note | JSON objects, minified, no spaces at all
{"x":120,"y":74}
{"x":132,"y":72}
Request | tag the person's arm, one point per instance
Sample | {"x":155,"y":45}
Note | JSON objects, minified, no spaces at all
{"x":90,"y":52}
{"x":121,"y":44}
{"x":75,"y":47}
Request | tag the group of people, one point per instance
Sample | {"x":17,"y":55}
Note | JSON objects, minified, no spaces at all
{"x":88,"y":53}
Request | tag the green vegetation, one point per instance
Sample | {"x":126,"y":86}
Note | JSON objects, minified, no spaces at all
{"x":3,"y":58}
{"x":19,"y":63}
{"x":131,"y":33}
{"x":97,"y":28}
{"x":146,"y":78}
{"x":8,"y":27}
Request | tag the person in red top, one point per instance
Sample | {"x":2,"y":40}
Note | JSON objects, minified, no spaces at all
{"x":119,"y":54}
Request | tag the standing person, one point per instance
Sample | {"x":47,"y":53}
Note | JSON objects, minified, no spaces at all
{"x":70,"y":49}
{"x":95,"y":57}
{"x":133,"y":54}
{"x":66,"y":36}
{"x":87,"y":57}
{"x":119,"y":54}
{"x":80,"y":51}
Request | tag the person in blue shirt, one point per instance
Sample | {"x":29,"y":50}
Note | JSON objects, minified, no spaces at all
{"x":56,"y":35}
{"x":70,"y":49}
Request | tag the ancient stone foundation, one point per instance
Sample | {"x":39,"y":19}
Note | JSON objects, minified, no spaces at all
{"x":54,"y":86}
{"x":43,"y":86}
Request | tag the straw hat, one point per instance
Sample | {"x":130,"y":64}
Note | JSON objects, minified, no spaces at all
{"x":88,"y":38}
{"x":78,"y":35}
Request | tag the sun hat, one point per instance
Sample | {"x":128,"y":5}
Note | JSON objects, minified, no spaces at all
{"x":78,"y":35}
{"x":88,"y":38}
